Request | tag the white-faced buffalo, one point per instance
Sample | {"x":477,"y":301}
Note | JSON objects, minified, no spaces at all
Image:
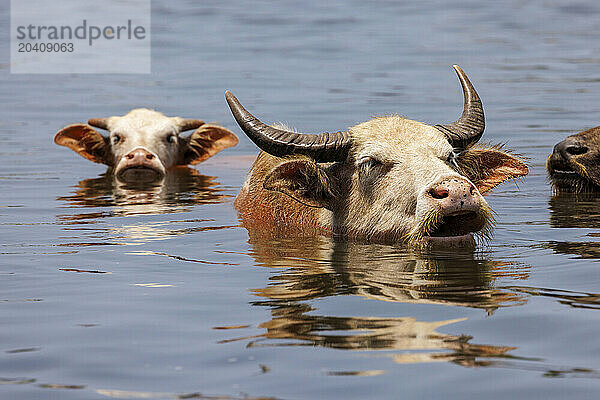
{"x":574,"y":165}
{"x":144,"y":144}
{"x":388,"y":179}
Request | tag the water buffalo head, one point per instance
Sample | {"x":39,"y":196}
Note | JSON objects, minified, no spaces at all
{"x":143,"y":144}
{"x":574,"y":165}
{"x":389,"y":178}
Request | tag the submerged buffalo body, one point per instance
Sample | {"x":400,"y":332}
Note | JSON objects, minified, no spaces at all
{"x":574,"y":165}
{"x":388,"y":179}
{"x":144,"y":144}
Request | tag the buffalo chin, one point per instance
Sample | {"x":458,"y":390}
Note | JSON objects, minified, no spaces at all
{"x":466,"y":240}
{"x":565,"y":178}
{"x":572,"y":182}
{"x":139,"y":175}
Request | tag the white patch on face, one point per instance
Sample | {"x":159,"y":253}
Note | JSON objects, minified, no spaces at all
{"x":148,"y":130}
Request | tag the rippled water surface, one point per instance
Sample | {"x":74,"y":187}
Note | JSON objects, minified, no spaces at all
{"x":112,"y":292}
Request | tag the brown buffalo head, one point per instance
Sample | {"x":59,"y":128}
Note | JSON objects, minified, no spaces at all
{"x":574,"y":165}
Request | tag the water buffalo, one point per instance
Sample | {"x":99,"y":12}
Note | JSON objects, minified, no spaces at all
{"x":574,"y":165}
{"x":390,"y":178}
{"x":143,"y":144}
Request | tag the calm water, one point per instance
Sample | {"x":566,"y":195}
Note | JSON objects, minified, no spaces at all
{"x":108,"y":292}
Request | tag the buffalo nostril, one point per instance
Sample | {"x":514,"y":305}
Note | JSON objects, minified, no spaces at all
{"x":439,"y":193}
{"x":129,"y":156}
{"x":569,"y":147}
{"x":149,"y":156}
{"x":576,"y":150}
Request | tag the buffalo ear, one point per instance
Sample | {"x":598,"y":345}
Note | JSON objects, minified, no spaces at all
{"x":205,"y":142}
{"x":489,"y":167}
{"x":303,"y":180}
{"x":86,"y":141}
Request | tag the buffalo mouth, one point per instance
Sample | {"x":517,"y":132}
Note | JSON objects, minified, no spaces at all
{"x":458,"y":229}
{"x":455,"y":225}
{"x":563,"y":176}
{"x":459,"y":225}
{"x":139,"y":174}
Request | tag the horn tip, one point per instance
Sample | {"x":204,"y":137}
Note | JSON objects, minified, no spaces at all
{"x":101,"y":123}
{"x":229,"y":95}
{"x":230,"y":98}
{"x":458,"y":69}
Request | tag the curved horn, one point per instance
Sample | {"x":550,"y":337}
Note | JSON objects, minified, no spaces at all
{"x":324,"y":147}
{"x":469,"y":127}
{"x":101,"y":123}
{"x":189,"y":124}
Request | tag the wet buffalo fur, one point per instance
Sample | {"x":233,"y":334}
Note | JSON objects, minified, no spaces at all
{"x":580,"y":171}
{"x":377,"y":193}
{"x":284,"y":192}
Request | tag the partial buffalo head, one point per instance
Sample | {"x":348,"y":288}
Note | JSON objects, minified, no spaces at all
{"x":389,"y":178}
{"x":143,"y":144}
{"x":574,"y":165}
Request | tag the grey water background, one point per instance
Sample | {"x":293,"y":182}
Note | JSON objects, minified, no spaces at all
{"x":179,"y":301}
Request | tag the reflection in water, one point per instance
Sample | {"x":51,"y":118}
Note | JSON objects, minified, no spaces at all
{"x":575,"y":210}
{"x":418,"y":339}
{"x":103,"y":197}
{"x":181,"y":188}
{"x":567,"y":297}
{"x":586,"y":250}
{"x":318,"y":267}
{"x":321,"y":267}
{"x":129,"y":394}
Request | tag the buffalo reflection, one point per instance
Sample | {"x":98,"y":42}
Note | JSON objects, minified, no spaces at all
{"x":318,"y":267}
{"x":180,"y":189}
{"x":575,"y":210}
{"x":572,"y":210}
{"x":567,"y":297}
{"x":418,"y":339}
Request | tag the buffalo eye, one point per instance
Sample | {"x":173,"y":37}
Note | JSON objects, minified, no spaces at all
{"x":368,"y":165}
{"x":116,"y":139}
{"x":171,"y":139}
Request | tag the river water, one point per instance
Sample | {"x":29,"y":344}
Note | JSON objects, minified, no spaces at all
{"x":109,"y":292}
